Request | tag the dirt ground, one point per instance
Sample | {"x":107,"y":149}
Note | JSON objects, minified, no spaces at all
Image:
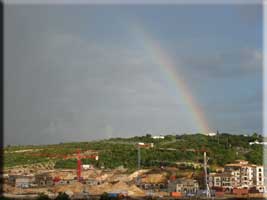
{"x":113,"y":181}
{"x":117,"y":187}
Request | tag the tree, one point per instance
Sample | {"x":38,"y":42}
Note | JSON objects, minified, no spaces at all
{"x":104,"y":196}
{"x":43,"y":196}
{"x":62,"y":196}
{"x":5,"y":198}
{"x":254,"y":136}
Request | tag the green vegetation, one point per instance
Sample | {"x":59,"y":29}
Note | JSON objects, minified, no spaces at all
{"x":43,"y":197}
{"x":62,"y":196}
{"x":116,"y":152}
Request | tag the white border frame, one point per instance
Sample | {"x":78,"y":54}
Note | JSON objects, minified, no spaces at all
{"x":134,"y":2}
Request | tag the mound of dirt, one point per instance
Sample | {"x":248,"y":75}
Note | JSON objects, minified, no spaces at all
{"x":136,"y":173}
{"x":135,"y":191}
{"x":154,"y":178}
{"x":119,"y":186}
{"x":7,"y":188}
{"x":76,"y":187}
{"x":98,"y":189}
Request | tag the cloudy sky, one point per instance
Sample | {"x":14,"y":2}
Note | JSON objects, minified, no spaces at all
{"x":85,"y":72}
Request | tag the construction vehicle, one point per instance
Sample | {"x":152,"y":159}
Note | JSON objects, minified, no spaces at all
{"x":117,"y":194}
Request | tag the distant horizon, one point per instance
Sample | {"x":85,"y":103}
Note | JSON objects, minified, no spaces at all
{"x":115,"y":137}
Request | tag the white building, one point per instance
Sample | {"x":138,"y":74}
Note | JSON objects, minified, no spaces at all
{"x":258,"y":178}
{"x":86,"y":167}
{"x":215,"y":180}
{"x":158,"y":137}
{"x":239,"y":175}
{"x":209,"y":134}
{"x":257,"y":142}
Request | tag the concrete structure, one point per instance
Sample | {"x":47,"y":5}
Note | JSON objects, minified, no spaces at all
{"x":258,"y":178}
{"x":153,"y":182}
{"x":86,"y":167}
{"x":214,"y":180}
{"x":184,"y":186}
{"x":240,"y":175}
{"x":21,"y":181}
{"x":155,"y":187}
{"x":44,"y":179}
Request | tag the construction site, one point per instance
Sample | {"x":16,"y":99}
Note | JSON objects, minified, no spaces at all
{"x":87,"y":181}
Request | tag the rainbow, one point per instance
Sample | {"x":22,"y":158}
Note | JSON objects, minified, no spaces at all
{"x":169,"y":69}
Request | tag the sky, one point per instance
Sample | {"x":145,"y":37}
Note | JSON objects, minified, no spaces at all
{"x":88,"y":72}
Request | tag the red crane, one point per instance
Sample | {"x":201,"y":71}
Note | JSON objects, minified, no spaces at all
{"x":78,"y":156}
{"x":79,"y":163}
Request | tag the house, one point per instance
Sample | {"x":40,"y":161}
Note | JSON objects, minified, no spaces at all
{"x":21,"y":181}
{"x":44,"y":179}
{"x":183,"y":185}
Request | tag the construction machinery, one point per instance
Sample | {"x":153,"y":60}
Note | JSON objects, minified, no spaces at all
{"x":77,"y":156}
{"x":79,"y":162}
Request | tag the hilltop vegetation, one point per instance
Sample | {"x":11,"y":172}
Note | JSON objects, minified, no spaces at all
{"x":123,"y":152}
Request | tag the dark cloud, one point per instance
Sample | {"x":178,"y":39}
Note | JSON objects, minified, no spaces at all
{"x":230,"y":64}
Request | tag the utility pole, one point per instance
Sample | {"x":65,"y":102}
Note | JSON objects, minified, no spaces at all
{"x":218,"y":137}
{"x":138,"y":163}
{"x":206,"y":175}
{"x":139,"y":157}
{"x":79,"y":165}
{"x":139,"y":146}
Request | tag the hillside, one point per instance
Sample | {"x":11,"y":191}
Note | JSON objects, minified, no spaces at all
{"x":123,"y":152}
